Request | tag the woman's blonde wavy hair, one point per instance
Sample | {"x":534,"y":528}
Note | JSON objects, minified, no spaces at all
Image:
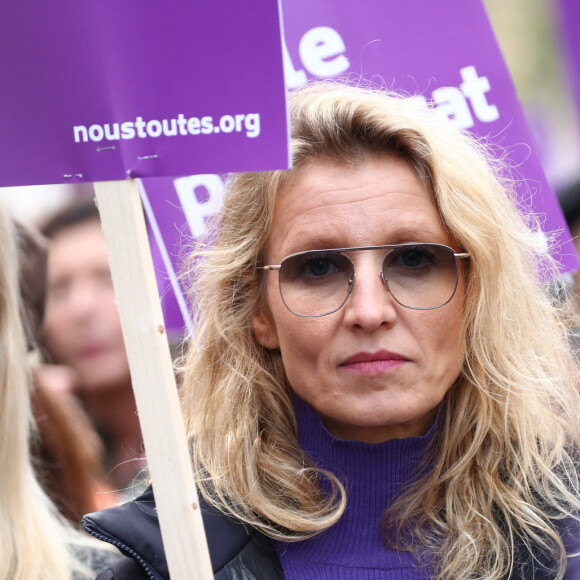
{"x":503,"y":464}
{"x":36,"y":543}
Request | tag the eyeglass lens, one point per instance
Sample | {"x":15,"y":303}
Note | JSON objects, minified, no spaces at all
{"x":316,"y":283}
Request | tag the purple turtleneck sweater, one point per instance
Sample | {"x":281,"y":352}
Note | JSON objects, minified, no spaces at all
{"x":372,"y":474}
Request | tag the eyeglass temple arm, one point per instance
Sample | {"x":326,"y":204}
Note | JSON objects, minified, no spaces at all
{"x":463,"y":255}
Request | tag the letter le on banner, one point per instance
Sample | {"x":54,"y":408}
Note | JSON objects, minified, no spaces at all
{"x":127,"y":92}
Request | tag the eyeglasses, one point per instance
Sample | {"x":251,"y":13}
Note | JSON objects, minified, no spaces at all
{"x":319,"y":282}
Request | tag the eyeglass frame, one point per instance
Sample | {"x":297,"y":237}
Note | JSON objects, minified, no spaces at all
{"x":278,"y":267}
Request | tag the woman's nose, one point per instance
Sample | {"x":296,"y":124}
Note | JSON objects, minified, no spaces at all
{"x":370,"y":305}
{"x":82,"y":301}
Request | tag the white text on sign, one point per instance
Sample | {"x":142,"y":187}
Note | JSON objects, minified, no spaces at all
{"x":323,"y":55}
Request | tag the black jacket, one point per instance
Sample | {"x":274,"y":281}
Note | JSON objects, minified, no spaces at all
{"x":237,"y":551}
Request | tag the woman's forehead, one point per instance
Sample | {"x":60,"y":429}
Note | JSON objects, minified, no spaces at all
{"x":368,"y":203}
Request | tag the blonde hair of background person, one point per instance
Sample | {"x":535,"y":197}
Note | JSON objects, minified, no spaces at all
{"x":35,"y":541}
{"x":503,"y":463}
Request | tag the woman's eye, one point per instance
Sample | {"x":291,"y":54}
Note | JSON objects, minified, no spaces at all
{"x":411,"y":258}
{"x":315,"y":267}
{"x":318,"y":267}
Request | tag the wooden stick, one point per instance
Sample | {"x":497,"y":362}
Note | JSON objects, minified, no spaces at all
{"x":153,"y":380}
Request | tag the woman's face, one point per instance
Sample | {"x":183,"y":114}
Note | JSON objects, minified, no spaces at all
{"x":373,"y":370}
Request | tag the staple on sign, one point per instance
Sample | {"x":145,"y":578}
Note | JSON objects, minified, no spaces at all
{"x":111,"y":148}
{"x":148,"y":157}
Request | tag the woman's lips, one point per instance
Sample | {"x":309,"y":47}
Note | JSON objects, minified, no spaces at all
{"x":368,"y":363}
{"x":92,"y":350}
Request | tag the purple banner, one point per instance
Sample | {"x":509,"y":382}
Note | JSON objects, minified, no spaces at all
{"x":444,"y":53}
{"x":177,"y":211}
{"x":106,"y":90}
{"x":570,"y":19}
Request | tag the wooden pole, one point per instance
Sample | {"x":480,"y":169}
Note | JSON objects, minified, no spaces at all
{"x":153,"y":380}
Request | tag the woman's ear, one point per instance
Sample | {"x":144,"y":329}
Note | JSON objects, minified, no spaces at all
{"x":265,"y":330}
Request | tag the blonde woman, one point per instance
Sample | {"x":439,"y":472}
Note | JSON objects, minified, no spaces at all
{"x":35,"y":541}
{"x":379,"y":386}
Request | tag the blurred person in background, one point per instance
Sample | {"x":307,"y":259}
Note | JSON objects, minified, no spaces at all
{"x":36,"y":542}
{"x":67,"y":454}
{"x":82,"y":331}
{"x":66,"y":450}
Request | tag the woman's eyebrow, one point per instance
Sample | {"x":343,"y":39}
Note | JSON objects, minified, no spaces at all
{"x":416,"y":233}
{"x":303,"y":244}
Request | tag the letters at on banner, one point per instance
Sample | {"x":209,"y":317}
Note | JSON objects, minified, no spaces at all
{"x":104,"y":91}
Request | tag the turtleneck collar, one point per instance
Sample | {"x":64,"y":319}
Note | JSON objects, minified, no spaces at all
{"x":373,"y":474}
{"x":320,"y":444}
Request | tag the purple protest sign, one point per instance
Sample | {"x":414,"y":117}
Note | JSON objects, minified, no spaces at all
{"x":177,"y":210}
{"x":444,"y":53}
{"x":107,"y":90}
{"x":569,"y":11}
